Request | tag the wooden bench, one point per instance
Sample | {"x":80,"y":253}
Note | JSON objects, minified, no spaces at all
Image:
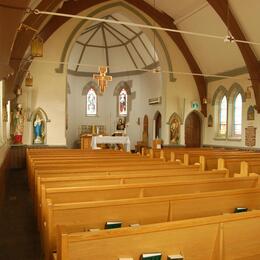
{"x":163,"y":176}
{"x":107,"y":169}
{"x":113,"y":192}
{"x":231,"y":236}
{"x":145,"y":210}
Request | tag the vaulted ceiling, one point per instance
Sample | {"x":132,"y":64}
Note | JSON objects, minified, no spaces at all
{"x":203,"y":55}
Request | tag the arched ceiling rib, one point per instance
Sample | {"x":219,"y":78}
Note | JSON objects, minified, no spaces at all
{"x":180,"y":10}
{"x":221,"y":7}
{"x":103,"y":43}
{"x":161,"y":18}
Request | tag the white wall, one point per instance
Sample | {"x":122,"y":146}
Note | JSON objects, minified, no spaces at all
{"x":209,"y":138}
{"x":144,"y":86}
{"x":49,"y":91}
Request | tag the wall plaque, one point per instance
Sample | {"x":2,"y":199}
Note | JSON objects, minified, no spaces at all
{"x":250,"y":139}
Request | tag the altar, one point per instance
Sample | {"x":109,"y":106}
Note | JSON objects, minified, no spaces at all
{"x":111,"y":140}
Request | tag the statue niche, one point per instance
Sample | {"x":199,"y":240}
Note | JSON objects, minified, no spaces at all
{"x":39,"y":126}
{"x":175,"y":123}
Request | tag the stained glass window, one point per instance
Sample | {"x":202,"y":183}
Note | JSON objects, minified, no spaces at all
{"x":91,"y":102}
{"x":223,"y":116}
{"x":237,"y":115}
{"x":123,"y":102}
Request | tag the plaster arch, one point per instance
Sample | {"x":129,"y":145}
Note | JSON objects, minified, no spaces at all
{"x":134,"y":15}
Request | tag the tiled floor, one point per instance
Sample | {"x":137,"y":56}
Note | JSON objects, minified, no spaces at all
{"x":19,"y":239}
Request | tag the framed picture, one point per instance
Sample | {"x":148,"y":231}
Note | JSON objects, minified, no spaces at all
{"x":210,"y":121}
{"x":250,"y":113}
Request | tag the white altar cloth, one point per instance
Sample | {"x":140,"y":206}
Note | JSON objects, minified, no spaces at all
{"x":111,"y":140}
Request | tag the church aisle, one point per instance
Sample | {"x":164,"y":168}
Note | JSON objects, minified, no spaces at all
{"x":19,"y":238}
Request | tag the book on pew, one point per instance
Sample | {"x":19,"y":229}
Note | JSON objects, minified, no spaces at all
{"x":113,"y":224}
{"x":238,"y":210}
{"x":175,"y":257}
{"x":151,"y":256}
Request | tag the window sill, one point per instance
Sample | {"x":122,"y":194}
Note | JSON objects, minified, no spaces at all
{"x":220,"y":138}
{"x":91,"y":115}
{"x":234,"y":138}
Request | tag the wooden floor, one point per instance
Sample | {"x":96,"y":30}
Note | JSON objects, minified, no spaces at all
{"x":19,"y":239}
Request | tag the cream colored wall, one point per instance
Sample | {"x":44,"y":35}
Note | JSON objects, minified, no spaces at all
{"x":209,"y":138}
{"x":49,"y":90}
{"x":4,"y":139}
{"x":144,"y":86}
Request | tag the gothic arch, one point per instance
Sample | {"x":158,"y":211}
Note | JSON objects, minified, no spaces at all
{"x":39,"y":109}
{"x":221,"y":90}
{"x":235,"y":89}
{"x":88,"y":86}
{"x":157,"y":113}
{"x":39,"y":117}
{"x":127,"y":85}
{"x":107,"y":6}
{"x":175,"y":116}
{"x":157,"y":124}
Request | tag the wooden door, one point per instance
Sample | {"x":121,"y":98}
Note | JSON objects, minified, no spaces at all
{"x":193,"y":130}
{"x":158,"y":125}
{"x":145,"y":130}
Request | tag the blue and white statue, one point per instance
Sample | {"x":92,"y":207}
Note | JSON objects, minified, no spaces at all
{"x":38,"y":133}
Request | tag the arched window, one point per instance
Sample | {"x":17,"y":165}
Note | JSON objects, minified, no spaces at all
{"x":237,"y":118}
{"x":223,"y":116}
{"x":91,"y":103}
{"x":122,"y":103}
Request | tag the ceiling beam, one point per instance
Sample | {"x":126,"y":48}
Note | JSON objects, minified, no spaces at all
{"x":160,"y":18}
{"x":221,"y":7}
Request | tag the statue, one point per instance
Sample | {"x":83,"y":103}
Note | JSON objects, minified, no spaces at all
{"x":175,"y":131}
{"x":120,"y":124}
{"x":38,"y":133}
{"x":18,"y":124}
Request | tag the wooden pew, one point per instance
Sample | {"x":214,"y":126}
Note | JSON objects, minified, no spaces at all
{"x":163,"y":176}
{"x":113,"y":192}
{"x":106,"y":169}
{"x":145,"y":210}
{"x":231,"y":236}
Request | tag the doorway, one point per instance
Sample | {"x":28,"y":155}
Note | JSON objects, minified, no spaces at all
{"x":193,"y":130}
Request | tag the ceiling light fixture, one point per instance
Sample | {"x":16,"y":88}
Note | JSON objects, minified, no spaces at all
{"x":37,"y":41}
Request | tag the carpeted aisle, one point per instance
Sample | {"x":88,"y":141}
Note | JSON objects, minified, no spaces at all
{"x":19,"y":238}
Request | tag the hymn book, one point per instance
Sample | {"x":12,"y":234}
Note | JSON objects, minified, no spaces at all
{"x":113,"y":224}
{"x":238,"y":210}
{"x":151,"y":256}
{"x":175,"y":257}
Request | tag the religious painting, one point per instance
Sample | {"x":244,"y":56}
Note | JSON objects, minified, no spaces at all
{"x":210,"y":121}
{"x":91,"y":103}
{"x":175,"y":131}
{"x":123,"y":102}
{"x":120,"y":124}
{"x":251,"y":113}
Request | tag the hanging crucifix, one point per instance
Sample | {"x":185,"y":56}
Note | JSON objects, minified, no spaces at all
{"x":102,"y":78}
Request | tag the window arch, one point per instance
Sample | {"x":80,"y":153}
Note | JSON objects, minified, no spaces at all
{"x":124,"y":97}
{"x":123,"y":104}
{"x":91,"y":107}
{"x":237,"y":116}
{"x":223,"y":105}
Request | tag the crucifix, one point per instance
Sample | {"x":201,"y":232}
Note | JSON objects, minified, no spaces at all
{"x":102,"y":78}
